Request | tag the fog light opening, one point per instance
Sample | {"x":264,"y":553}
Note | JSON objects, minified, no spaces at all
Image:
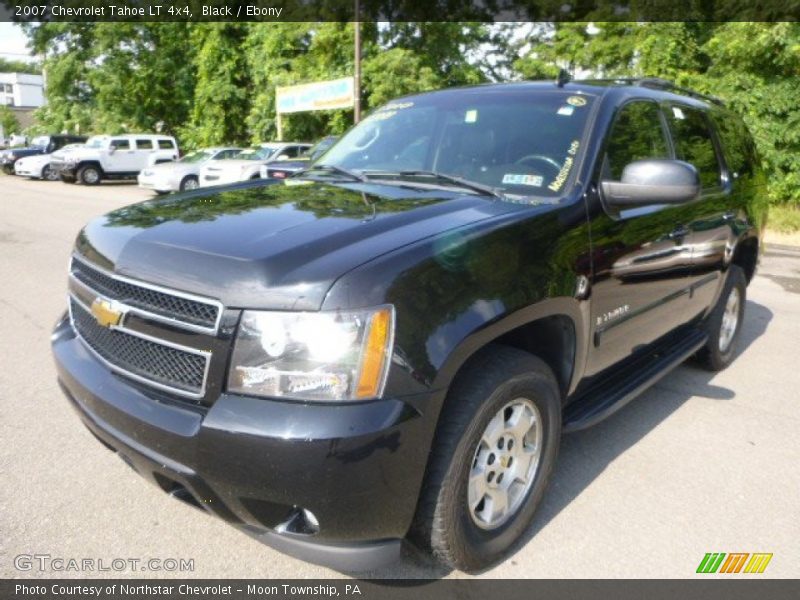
{"x":301,"y":521}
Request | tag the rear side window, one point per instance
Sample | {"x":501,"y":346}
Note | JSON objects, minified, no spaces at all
{"x":121,"y":144}
{"x":737,"y":145}
{"x":636,"y":134}
{"x":693,"y":143}
{"x":166,"y":145}
{"x":144,"y":144}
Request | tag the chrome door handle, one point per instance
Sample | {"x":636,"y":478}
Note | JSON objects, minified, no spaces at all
{"x":679,"y":232}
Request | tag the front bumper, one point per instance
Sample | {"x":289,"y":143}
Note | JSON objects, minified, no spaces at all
{"x":64,"y":169}
{"x":257,"y":463}
{"x":25,"y":171}
{"x":158,"y":184}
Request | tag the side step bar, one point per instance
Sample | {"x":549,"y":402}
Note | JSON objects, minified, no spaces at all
{"x":606,"y":397}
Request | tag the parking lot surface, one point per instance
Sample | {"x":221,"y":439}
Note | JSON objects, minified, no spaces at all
{"x":700,"y":463}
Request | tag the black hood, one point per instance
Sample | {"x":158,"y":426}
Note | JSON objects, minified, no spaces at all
{"x":272,"y":246}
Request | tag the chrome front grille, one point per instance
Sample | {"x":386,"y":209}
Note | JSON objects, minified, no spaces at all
{"x":146,"y":360}
{"x":155,"y":301}
{"x":137,"y":344}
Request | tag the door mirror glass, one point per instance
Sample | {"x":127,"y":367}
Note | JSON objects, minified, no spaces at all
{"x":653,"y":181}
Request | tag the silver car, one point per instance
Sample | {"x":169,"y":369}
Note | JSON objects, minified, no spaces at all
{"x":183,"y":174}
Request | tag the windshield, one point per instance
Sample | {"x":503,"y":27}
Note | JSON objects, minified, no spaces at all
{"x":520,"y":142}
{"x":259,"y":153}
{"x":197,"y":156}
{"x":40,"y":141}
{"x":96,"y":142}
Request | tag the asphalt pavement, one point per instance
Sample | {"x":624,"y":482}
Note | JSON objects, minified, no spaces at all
{"x":700,"y":463}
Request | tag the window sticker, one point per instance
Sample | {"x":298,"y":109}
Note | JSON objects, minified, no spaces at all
{"x":471,"y":116}
{"x":678,"y":113}
{"x":523,"y":179}
{"x":558,"y":182}
{"x":576,"y":101}
{"x":566,"y":110}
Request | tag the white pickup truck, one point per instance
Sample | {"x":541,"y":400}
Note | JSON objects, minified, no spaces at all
{"x":114,"y":157}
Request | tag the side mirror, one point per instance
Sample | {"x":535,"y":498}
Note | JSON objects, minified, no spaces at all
{"x":653,"y":181}
{"x":112,"y":149}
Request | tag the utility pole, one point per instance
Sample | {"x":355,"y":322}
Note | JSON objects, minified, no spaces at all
{"x":357,"y":78}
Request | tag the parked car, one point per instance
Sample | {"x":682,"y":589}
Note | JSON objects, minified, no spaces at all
{"x":114,"y":157}
{"x":38,"y":165}
{"x":281,"y":169}
{"x":247,"y":163}
{"x":183,"y":174}
{"x":43,"y":144}
{"x":389,"y":345}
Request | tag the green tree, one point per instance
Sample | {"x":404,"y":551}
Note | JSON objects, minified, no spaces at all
{"x":222,"y":89}
{"x":754,"y":67}
{"x":8,"y":121}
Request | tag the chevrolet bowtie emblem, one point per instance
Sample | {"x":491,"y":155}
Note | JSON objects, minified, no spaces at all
{"x":105,"y":313}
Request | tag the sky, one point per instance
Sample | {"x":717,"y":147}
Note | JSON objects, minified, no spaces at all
{"x":12,"y":42}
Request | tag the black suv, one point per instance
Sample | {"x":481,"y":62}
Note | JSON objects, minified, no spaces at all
{"x":390,"y":344}
{"x":43,"y":144}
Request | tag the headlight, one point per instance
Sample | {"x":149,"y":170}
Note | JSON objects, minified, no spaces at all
{"x":326,"y":356}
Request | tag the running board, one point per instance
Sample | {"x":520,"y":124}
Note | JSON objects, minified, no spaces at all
{"x":604,"y":398}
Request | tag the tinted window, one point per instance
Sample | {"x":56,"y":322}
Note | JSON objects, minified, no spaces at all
{"x":737,"y":144}
{"x":693,"y":143}
{"x":636,"y":134}
{"x":121,"y":144}
{"x":166,"y":144}
{"x":144,"y":144}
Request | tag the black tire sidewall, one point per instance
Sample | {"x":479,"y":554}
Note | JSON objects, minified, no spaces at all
{"x":185,"y":180}
{"x":713,"y":357}
{"x":470,"y":547}
{"x":82,"y":175}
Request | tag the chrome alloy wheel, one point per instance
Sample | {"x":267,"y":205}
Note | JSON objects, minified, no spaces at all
{"x":730,"y":320}
{"x":505,"y":463}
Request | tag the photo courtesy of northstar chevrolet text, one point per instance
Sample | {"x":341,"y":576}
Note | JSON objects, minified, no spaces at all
{"x":387,"y":296}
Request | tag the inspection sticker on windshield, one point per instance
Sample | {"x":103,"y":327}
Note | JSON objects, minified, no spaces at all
{"x":576,"y":101}
{"x":521,"y":179}
{"x":566,"y":110}
{"x":471,"y":116}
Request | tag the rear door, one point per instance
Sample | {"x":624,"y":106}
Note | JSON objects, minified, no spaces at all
{"x":710,"y":219}
{"x":640,"y":258}
{"x":145,"y":152}
{"x":121,"y":156}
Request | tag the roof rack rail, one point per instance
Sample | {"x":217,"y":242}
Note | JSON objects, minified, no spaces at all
{"x":659,"y":84}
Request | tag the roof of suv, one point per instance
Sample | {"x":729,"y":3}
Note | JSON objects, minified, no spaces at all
{"x":623,"y":88}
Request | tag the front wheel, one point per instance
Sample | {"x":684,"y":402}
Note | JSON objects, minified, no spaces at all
{"x":494,"y":450}
{"x":189,"y":183}
{"x":725,"y":322}
{"x":49,"y":174}
{"x":89,"y":175}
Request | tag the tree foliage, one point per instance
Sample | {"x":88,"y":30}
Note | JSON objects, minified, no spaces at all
{"x":213,"y":83}
{"x":754,"y":67}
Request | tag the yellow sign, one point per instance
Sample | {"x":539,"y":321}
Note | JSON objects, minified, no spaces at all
{"x":105,"y":314}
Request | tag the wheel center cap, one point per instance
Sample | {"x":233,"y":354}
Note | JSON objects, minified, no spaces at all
{"x":504,"y":461}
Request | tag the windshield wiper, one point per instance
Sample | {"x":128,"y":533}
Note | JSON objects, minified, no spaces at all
{"x":332,"y":169}
{"x":486,"y":190}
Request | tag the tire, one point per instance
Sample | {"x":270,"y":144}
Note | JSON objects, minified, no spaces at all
{"x":8,"y":169}
{"x":48,"y":174}
{"x":67,"y":179}
{"x":724,"y":324}
{"x":89,"y":175}
{"x":468,"y":538}
{"x":189,"y":183}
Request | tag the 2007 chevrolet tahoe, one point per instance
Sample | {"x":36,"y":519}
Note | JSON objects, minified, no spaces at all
{"x":389,"y":344}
